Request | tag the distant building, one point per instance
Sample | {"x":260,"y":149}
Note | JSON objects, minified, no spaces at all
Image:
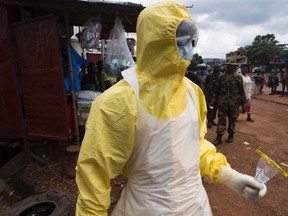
{"x":237,"y":57}
{"x":212,"y":61}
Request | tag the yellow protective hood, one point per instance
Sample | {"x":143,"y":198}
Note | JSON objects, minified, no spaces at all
{"x":160,"y":68}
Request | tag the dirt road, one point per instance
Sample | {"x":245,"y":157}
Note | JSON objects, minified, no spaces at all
{"x":269,"y":133}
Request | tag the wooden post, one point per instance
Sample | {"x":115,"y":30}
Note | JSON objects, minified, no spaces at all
{"x":68,"y":41}
{"x":73,"y":152}
{"x":102,"y":50}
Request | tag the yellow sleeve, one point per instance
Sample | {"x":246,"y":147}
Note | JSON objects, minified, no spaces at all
{"x":210,"y":160}
{"x":106,"y":147}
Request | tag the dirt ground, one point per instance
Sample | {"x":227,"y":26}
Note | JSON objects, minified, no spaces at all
{"x":269,"y":133}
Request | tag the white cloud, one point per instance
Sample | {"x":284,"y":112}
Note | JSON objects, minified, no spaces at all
{"x":226,"y":25}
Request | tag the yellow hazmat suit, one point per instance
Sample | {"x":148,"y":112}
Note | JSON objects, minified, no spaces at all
{"x":150,"y":126}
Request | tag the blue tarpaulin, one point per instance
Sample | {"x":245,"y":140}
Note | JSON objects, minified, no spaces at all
{"x":77,"y":61}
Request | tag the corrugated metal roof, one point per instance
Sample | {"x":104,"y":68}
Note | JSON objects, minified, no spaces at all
{"x":81,"y":11}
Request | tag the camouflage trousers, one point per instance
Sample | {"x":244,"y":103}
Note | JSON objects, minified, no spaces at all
{"x":230,"y":112}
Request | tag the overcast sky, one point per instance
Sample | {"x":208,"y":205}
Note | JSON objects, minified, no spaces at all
{"x":226,"y":25}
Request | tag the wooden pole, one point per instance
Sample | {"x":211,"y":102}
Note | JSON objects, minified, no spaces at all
{"x":102,"y":50}
{"x":68,"y":41}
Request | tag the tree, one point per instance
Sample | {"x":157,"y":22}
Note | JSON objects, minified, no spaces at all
{"x":197,"y":59}
{"x":284,"y":50}
{"x":263,"y":48}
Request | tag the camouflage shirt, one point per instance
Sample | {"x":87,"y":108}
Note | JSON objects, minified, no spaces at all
{"x":210,"y":85}
{"x":229,"y":89}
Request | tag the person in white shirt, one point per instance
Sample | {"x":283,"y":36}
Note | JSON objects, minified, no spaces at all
{"x":247,"y":85}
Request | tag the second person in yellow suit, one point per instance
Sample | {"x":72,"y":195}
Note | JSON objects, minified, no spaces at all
{"x":150,"y":127}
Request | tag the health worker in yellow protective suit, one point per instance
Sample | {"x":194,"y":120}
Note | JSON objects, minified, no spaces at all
{"x":150,"y":127}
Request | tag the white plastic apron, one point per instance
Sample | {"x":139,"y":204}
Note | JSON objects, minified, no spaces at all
{"x":163,"y":170}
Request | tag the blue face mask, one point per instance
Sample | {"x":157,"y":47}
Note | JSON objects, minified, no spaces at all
{"x":186,"y":38}
{"x":186,"y":51}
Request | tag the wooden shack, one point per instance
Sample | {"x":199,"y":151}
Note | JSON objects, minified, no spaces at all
{"x":33,"y":102}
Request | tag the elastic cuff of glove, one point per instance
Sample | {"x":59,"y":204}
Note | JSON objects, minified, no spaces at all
{"x":226,"y":173}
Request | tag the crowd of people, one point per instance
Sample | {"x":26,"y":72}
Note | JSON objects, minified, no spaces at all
{"x":228,"y":91}
{"x":278,"y":76}
{"x":93,"y":77}
{"x":225,"y":97}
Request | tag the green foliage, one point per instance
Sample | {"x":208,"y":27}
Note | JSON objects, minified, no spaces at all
{"x":263,"y":48}
{"x":284,"y":51}
{"x":197,"y":59}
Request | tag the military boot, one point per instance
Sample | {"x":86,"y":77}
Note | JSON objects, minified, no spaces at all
{"x":230,"y":138}
{"x":218,"y":140}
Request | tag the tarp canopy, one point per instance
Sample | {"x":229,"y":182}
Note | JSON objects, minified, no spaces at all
{"x":80,"y":12}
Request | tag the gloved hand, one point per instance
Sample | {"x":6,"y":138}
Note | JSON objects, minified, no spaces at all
{"x":243,"y":184}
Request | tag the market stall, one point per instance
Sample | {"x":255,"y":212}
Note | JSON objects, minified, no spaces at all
{"x":32,"y":65}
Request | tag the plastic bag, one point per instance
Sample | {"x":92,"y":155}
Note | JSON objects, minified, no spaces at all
{"x":90,"y":35}
{"x":119,"y":56}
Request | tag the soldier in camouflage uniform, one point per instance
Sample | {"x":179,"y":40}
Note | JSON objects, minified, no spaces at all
{"x":210,"y":85}
{"x":230,"y":95}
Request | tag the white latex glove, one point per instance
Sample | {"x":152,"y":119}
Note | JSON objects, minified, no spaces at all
{"x":243,"y":184}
